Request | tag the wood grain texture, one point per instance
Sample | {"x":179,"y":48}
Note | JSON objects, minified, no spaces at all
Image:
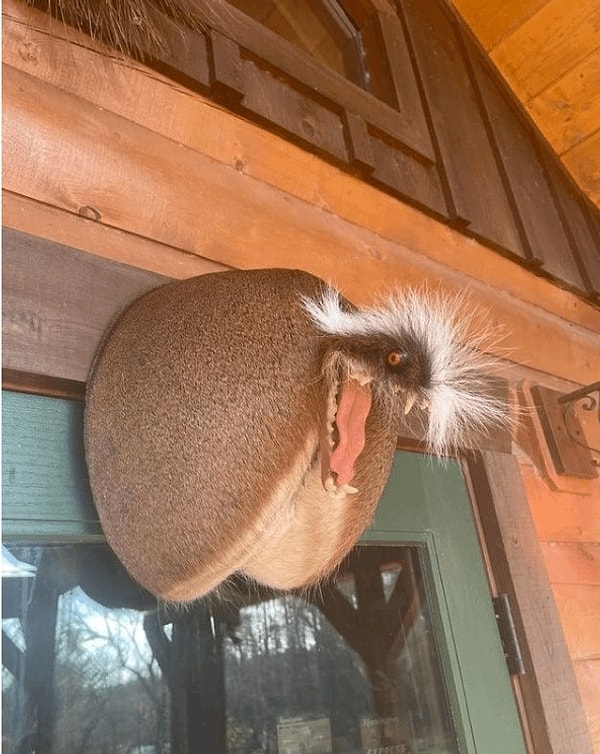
{"x":556,"y":719}
{"x":570,"y":563}
{"x":561,"y":516}
{"x":588,"y":679}
{"x":270,"y":97}
{"x":192,"y":121}
{"x":584,"y":160}
{"x":458,"y":128}
{"x":576,"y":221}
{"x":579,"y":610}
{"x":547,"y":44}
{"x":43,"y":220}
{"x":547,"y":51}
{"x":548,"y":242}
{"x":570,"y":106}
{"x":46,"y":335}
{"x":493,"y":20}
{"x":150,"y":186}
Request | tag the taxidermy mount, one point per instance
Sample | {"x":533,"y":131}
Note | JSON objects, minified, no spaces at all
{"x":246,"y":421}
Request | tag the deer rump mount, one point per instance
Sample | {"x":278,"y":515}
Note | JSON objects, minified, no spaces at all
{"x":246,"y":421}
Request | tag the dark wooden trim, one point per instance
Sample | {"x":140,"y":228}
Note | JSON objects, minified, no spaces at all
{"x":527,"y":179}
{"x":478,"y":196}
{"x":263,"y":43}
{"x":552,"y":705}
{"x":359,"y":142}
{"x":227,"y":86}
{"x":57,"y":303}
{"x":41,"y":384}
{"x":187,"y":59}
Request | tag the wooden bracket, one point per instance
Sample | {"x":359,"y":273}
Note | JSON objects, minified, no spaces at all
{"x":563,"y":431}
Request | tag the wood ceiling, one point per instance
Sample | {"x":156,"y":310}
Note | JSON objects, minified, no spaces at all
{"x":549,"y":53}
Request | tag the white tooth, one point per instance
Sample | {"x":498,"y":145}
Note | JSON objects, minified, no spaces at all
{"x":410,"y":402}
{"x":349,"y":489}
{"x":330,"y":485}
{"x":364,"y":380}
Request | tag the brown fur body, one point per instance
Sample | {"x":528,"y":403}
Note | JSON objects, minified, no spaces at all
{"x":204,"y":414}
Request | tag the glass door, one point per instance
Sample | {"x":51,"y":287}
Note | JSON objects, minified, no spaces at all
{"x":398,"y":653}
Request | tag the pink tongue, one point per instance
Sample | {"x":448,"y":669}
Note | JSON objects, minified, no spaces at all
{"x":353,"y":408}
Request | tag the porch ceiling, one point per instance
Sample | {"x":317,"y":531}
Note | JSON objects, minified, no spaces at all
{"x":549,"y":53}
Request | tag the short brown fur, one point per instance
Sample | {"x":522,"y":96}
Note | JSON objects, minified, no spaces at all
{"x":205,"y":402}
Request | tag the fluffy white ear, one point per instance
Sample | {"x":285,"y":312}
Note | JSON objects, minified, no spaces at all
{"x":327,"y":313}
{"x":453,"y":337}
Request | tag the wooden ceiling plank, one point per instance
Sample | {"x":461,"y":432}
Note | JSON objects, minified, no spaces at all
{"x":584,"y":161}
{"x":568,"y":111}
{"x":493,"y":20}
{"x":548,"y":44}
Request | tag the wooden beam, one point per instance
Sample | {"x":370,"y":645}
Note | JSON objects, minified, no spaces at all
{"x":58,"y":303}
{"x":72,"y":229}
{"x":549,"y":689}
{"x":53,"y":322}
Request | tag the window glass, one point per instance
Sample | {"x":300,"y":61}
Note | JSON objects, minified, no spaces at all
{"x":320,"y":28}
{"x":91,"y":663}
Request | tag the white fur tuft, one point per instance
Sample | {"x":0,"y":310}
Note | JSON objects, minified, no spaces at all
{"x":460,"y":404}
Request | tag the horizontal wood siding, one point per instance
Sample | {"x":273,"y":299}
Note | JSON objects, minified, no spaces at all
{"x":568,"y":527}
{"x":53,"y":339}
{"x":455,"y":146}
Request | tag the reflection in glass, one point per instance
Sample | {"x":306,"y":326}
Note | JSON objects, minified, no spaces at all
{"x":321,"y":28}
{"x":91,"y":663}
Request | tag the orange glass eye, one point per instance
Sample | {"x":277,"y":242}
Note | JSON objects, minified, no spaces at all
{"x":397,"y":358}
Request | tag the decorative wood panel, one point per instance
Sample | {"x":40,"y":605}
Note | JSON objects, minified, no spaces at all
{"x":477,"y":195}
{"x":535,"y":204}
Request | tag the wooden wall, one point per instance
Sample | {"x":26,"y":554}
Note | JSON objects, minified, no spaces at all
{"x":443,"y":135}
{"x":112,"y":158}
{"x":568,"y":527}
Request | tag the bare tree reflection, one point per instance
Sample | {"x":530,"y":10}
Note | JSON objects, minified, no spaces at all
{"x":91,"y":663}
